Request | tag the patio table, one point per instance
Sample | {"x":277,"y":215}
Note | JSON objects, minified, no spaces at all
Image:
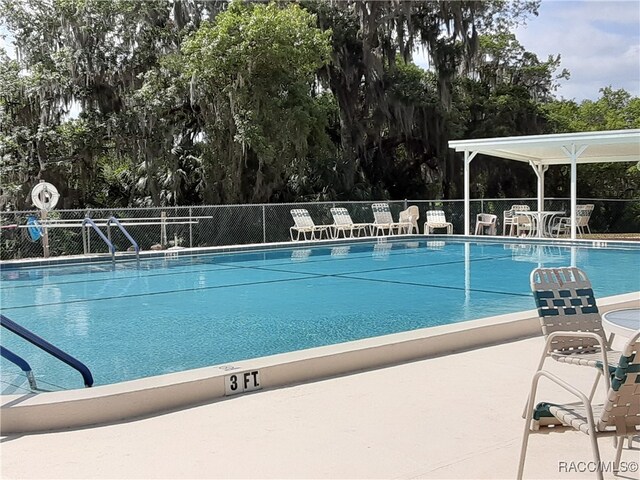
{"x":624,"y":321}
{"x":540,"y":221}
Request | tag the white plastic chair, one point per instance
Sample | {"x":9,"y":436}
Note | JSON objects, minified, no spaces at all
{"x":583,"y":215}
{"x":514,"y":221}
{"x":409,"y":219}
{"x":486,"y":222}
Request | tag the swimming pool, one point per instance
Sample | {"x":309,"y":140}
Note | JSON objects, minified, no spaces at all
{"x":126,"y":321}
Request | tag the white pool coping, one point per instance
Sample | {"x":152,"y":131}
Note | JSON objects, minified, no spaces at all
{"x":150,"y":396}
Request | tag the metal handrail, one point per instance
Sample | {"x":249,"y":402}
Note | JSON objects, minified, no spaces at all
{"x":134,"y":244}
{"x":41,"y":343}
{"x":85,"y":241}
{"x":20,"y":362}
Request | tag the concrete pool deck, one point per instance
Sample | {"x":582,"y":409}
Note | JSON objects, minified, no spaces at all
{"x":454,"y":416}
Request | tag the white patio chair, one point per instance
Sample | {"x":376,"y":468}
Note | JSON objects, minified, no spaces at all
{"x":618,"y":416}
{"x":409,"y":219}
{"x":486,"y":223}
{"x":342,"y":223}
{"x":515,"y":222}
{"x":562,"y":225}
{"x":383,"y":220}
{"x":304,"y":224}
{"x":437,"y":219}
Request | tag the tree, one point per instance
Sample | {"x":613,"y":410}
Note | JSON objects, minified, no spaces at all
{"x":614,"y":110}
{"x":93,"y":57}
{"x":368,"y":36}
{"x":252,"y":76}
{"x":502,"y":96}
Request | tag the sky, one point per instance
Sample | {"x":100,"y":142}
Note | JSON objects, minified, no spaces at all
{"x":599,"y":43}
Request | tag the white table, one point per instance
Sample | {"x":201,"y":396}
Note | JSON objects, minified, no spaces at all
{"x":540,"y":220}
{"x":625,"y":321}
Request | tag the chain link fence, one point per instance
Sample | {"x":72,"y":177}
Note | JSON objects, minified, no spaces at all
{"x":219,"y":225}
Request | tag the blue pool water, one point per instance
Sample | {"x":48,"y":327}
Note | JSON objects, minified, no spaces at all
{"x":173,"y":314}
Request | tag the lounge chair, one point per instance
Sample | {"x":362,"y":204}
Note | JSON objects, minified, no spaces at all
{"x":304,"y":224}
{"x":437,"y":219}
{"x":410,"y":216}
{"x":570,"y":320}
{"x":618,"y":416}
{"x":383,"y":220}
{"x":342,"y":223}
{"x":562,"y":226}
{"x":515,"y":222}
{"x":486,"y":223}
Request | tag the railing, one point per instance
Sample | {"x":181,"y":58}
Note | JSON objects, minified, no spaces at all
{"x":48,"y":347}
{"x":124,"y":232}
{"x":220,"y":225}
{"x":86,"y":240}
{"x":20,"y":362}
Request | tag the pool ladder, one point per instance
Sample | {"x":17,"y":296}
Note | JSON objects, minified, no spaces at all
{"x":42,"y":344}
{"x":107,"y":238}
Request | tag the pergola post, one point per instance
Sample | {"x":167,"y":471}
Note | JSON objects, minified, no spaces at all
{"x":573,"y":155}
{"x":468,"y":156}
{"x":540,"y":170}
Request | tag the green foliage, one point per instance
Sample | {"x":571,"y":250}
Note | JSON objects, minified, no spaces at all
{"x":614,"y":110}
{"x":252,"y":75}
{"x":180,"y":102}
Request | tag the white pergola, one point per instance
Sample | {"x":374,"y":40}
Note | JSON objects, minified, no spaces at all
{"x":540,"y":151}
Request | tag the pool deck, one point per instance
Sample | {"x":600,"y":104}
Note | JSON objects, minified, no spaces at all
{"x":454,"y":416}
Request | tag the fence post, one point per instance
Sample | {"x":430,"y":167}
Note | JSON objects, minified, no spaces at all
{"x":190,"y":229}
{"x":264,"y":224}
{"x":405,"y":204}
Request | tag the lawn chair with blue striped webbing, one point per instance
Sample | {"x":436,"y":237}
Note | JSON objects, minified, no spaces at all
{"x":571,"y":321}
{"x":618,"y":416}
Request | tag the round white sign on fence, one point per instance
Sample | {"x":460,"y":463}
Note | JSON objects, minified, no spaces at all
{"x":45,"y":196}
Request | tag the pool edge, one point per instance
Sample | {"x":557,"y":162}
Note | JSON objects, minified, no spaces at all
{"x":31,"y":413}
{"x":101,"y":258}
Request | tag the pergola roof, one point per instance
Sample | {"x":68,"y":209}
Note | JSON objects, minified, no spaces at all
{"x":540,"y":151}
{"x":601,"y":147}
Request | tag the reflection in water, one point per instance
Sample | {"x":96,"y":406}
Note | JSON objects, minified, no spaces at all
{"x":381,"y":250}
{"x":77,"y":320}
{"x":340,"y":251}
{"x":300,"y":255}
{"x":522,"y":252}
{"x":435,"y":245}
{"x":48,"y":301}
